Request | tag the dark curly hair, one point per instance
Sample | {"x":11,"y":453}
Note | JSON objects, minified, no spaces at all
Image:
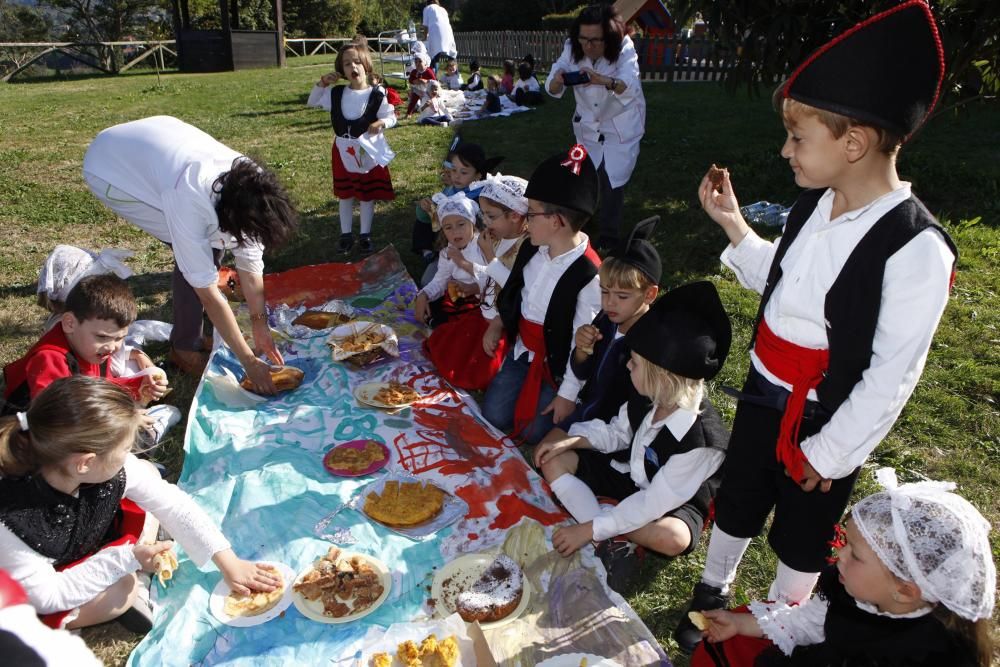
{"x":612,"y":25}
{"x":253,"y":206}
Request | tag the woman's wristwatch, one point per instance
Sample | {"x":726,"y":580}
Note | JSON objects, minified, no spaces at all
{"x":611,"y":86}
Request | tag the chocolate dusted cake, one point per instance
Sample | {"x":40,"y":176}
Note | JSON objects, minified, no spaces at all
{"x":495,"y":594}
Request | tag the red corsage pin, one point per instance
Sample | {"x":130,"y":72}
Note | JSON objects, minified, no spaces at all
{"x":838,"y":542}
{"x":575,"y":159}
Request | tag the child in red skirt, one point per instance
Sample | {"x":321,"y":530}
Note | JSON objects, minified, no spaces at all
{"x":453,"y":290}
{"x":74,"y":502}
{"x":356,"y":109}
{"x":459,"y":348}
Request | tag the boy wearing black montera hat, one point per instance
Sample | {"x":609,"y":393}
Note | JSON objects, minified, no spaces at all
{"x":552,"y":291}
{"x":852,"y":293}
{"x":661,"y":455}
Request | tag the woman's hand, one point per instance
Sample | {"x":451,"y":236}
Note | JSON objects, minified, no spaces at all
{"x":568,"y":539}
{"x":264,"y":343}
{"x":494,"y":331}
{"x":723,"y":208}
{"x":595,"y":78}
{"x":243,"y":576}
{"x":557,"y":85}
{"x":259,"y":373}
{"x":145,"y":553}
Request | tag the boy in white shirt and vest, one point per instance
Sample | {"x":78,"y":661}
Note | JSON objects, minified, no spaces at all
{"x":852,"y":293}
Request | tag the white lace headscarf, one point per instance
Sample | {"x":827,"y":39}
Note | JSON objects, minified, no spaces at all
{"x":505,"y":190}
{"x":66,"y":265}
{"x":456,"y":204}
{"x":934,"y":538}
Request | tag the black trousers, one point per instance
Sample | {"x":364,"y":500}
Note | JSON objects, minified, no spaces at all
{"x":754,"y":483}
{"x":188,"y":312}
{"x":612,"y":207}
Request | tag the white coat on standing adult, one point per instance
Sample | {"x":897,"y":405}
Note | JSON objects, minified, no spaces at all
{"x":610,"y":116}
{"x":440,"y":38}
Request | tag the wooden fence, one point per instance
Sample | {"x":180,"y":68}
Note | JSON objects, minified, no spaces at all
{"x":108,"y":57}
{"x":660,"y":58}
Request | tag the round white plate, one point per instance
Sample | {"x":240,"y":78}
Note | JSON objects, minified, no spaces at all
{"x":365,"y":393}
{"x":313,"y":609}
{"x":465,"y":571}
{"x":576,"y":660}
{"x":216,"y":603}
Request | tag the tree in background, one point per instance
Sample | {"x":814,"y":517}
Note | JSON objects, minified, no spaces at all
{"x":322,"y":18}
{"x":20,"y":23}
{"x":769,"y":37}
{"x":387,"y":15}
{"x":511,"y":14}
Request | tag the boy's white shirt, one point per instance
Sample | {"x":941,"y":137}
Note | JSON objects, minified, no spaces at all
{"x":530,"y":84}
{"x":541,"y":274}
{"x":674,"y":483}
{"x":50,"y":591}
{"x":448,"y":270}
{"x":914,"y":295}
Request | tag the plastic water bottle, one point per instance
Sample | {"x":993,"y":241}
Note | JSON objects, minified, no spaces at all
{"x":412,"y":30}
{"x":765,"y":213}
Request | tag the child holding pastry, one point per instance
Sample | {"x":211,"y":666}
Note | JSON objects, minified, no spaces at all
{"x":660,"y":461}
{"x":913,"y":583}
{"x":453,"y":290}
{"x":458,"y":348}
{"x":74,"y":501}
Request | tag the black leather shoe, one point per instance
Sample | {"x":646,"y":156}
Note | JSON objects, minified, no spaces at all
{"x":366,"y":245}
{"x":704,"y":597}
{"x":345,"y":244}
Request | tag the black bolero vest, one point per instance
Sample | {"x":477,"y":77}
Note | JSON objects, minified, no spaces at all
{"x":853,"y":302}
{"x":708,"y":431}
{"x":558,"y":324}
{"x":341,"y":126}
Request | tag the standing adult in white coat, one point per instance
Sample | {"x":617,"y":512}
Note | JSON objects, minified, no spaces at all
{"x":440,"y":38}
{"x":610,"y":116}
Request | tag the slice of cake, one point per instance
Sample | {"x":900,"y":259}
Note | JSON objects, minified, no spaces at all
{"x":495,"y":594}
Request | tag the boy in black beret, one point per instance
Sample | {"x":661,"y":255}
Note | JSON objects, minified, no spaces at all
{"x":551,"y":292}
{"x":630,"y":278}
{"x":659,"y":457}
{"x":852,"y":293}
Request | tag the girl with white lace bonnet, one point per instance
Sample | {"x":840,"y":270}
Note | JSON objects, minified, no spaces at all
{"x":453,"y":290}
{"x":913,"y":584}
{"x":77,"y":508}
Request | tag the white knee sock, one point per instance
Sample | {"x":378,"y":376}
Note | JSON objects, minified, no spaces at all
{"x":367,"y":215}
{"x":346,"y":215}
{"x":576,"y":497}
{"x":724,"y":555}
{"x":791,"y":586}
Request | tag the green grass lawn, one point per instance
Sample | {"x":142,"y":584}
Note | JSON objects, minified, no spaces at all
{"x":949,"y":430}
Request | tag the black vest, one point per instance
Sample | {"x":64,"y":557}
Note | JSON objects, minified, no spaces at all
{"x":852,"y":304}
{"x":707,"y":431}
{"x":57,"y":525}
{"x":341,"y":126}
{"x":558,"y":324}
{"x":857,"y":638}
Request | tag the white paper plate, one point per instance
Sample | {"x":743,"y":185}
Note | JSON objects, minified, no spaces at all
{"x":577,"y":659}
{"x":313,"y":609}
{"x":464,"y":571}
{"x":216,"y":603}
{"x":365,"y":393}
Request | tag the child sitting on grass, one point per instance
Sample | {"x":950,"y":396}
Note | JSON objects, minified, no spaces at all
{"x":74,"y":501}
{"x":433,"y":110}
{"x":418,"y":78}
{"x":458,"y":348}
{"x":629,"y":284}
{"x":913,"y":583}
{"x":453,"y":290}
{"x":475,"y":81}
{"x":661,"y":462}
{"x":492,"y":103}
{"x":452,"y":78}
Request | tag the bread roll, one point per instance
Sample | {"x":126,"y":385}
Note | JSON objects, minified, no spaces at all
{"x":320,"y":319}
{"x":285,"y":378}
{"x":700,"y":620}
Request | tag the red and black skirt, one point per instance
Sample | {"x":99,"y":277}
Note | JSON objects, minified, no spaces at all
{"x":456,"y":350}
{"x":373,"y":185}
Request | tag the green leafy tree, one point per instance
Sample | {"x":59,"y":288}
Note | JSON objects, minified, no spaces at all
{"x":20,"y":23}
{"x":322,"y":18}
{"x":766,"y":38}
{"x":386,"y":15}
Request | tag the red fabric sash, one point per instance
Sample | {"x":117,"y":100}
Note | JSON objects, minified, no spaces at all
{"x":801,"y":367}
{"x":533,"y":337}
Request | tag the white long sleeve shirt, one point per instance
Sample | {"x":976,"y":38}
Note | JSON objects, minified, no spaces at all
{"x":170,"y":166}
{"x":914,"y":295}
{"x":448,"y":270}
{"x":674,"y":483}
{"x":541,"y":274}
{"x":51,"y":591}
{"x":620,"y":118}
{"x":352,"y":104}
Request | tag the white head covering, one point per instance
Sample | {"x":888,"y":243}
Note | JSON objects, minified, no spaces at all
{"x":67,"y":264}
{"x":457,"y":204}
{"x":506,"y":190}
{"x":934,"y":538}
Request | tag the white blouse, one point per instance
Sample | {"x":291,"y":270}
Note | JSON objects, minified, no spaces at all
{"x":51,"y":591}
{"x":674,"y":483}
{"x":352,"y":103}
{"x":495,"y":270}
{"x":914,"y":295}
{"x":448,"y":270}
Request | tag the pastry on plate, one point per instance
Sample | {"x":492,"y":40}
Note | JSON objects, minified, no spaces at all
{"x":256,"y":603}
{"x":404,"y":504}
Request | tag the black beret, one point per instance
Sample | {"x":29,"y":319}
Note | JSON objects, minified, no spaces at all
{"x":639,"y":252}
{"x":567,"y":179}
{"x":686,"y":332}
{"x":886,"y":71}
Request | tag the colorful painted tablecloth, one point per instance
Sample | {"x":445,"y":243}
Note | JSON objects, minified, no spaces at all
{"x":259,"y":472}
